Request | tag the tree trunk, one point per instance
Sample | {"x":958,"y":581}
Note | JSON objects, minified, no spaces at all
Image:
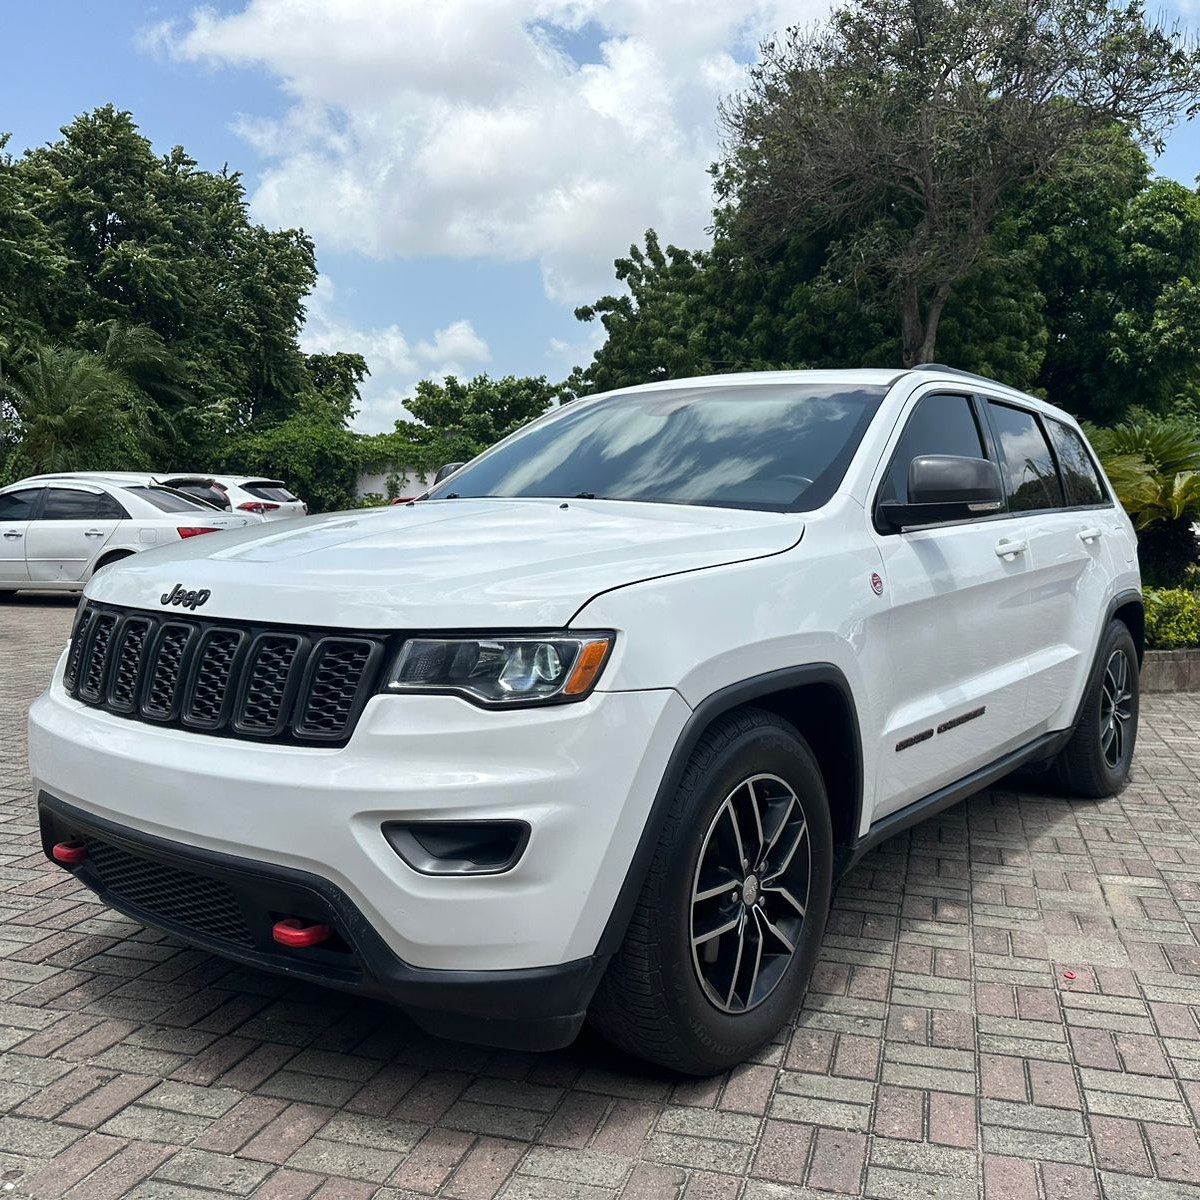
{"x":919,"y":328}
{"x":912,"y":328}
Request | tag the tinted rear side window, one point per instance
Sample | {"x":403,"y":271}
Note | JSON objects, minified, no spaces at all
{"x":18,"y":506}
{"x":1079,"y":474}
{"x":268,"y":490}
{"x":938,"y":425}
{"x":208,"y":495}
{"x":167,"y":499}
{"x":1026,"y":461}
{"x":67,"y":504}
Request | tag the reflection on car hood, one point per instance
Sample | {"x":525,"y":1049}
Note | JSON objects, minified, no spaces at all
{"x":445,"y":564}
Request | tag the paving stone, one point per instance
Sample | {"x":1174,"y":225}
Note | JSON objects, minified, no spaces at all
{"x":942,"y":1054}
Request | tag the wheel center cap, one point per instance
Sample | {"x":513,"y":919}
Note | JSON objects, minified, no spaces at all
{"x":750,"y":891}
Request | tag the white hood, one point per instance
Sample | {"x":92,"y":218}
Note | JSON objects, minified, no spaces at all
{"x":444,"y":564}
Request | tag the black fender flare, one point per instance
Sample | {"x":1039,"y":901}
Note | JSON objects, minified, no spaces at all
{"x":733,"y":696}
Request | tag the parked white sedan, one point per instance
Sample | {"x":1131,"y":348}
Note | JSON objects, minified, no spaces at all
{"x":56,"y":533}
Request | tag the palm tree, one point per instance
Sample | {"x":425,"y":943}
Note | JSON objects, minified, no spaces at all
{"x":67,"y":410}
{"x":1154,"y":464}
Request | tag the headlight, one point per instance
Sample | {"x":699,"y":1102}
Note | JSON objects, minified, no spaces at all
{"x":504,"y":670}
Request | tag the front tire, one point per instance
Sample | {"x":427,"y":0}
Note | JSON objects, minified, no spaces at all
{"x":1095,"y":762}
{"x":728,"y":926}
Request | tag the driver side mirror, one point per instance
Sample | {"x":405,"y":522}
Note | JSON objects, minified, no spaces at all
{"x":448,"y":469}
{"x":944,"y":488}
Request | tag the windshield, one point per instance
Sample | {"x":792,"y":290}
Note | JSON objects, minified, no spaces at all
{"x":773,"y":447}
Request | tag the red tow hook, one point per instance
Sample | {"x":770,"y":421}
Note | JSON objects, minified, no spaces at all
{"x":291,"y":931}
{"x":69,"y":853}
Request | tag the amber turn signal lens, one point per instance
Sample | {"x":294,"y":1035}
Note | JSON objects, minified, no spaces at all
{"x":587,"y":667}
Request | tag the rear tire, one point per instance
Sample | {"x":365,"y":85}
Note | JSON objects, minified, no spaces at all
{"x":1095,"y":762}
{"x":721,"y":945}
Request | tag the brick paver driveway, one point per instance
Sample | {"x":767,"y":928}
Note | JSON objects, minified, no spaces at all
{"x":1009,"y":1004}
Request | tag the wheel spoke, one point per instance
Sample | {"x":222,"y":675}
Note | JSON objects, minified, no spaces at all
{"x":737,"y":962}
{"x":758,"y":953}
{"x":787,"y":814}
{"x":698,"y":939}
{"x":778,"y":934}
{"x":778,"y":890}
{"x":737,"y":832}
{"x":758,"y":825}
{"x":777,"y":871}
{"x":710,"y":893}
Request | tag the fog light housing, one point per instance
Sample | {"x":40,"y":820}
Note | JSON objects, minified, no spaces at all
{"x":458,"y":847}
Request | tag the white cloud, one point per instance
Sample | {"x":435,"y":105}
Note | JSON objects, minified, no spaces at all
{"x":396,"y":363}
{"x":462,"y":128}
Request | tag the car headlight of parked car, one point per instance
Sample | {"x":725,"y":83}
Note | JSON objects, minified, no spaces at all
{"x":504,"y":671}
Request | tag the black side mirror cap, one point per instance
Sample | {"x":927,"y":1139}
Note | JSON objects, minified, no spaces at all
{"x":446,"y":470}
{"x":944,"y":488}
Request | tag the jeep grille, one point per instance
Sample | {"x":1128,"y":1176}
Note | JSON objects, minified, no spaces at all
{"x":228,"y":678}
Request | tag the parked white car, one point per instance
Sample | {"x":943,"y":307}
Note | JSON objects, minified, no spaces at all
{"x":266,"y":498}
{"x":56,"y":532}
{"x":269,"y":498}
{"x":592,"y":728}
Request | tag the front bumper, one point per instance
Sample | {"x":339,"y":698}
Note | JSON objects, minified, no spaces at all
{"x":582,"y":776}
{"x":228,"y":905}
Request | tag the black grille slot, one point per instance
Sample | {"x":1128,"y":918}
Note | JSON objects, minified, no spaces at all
{"x":95,"y":657}
{"x":166,"y":667}
{"x":208,"y":699}
{"x":272,"y":658}
{"x":233,"y":679}
{"x":333,"y":690}
{"x":127,"y":664}
{"x":78,"y":641}
{"x":167,"y":893}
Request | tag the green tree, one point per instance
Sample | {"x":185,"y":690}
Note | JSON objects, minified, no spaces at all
{"x":904,"y":127}
{"x":152,"y":241}
{"x":455,"y":420}
{"x":31,"y":262}
{"x":311,"y":449}
{"x":66,"y":410}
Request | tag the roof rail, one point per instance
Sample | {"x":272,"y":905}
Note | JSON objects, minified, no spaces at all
{"x":956,"y":371}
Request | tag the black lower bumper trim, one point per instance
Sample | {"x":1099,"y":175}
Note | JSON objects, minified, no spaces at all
{"x":227,"y":905}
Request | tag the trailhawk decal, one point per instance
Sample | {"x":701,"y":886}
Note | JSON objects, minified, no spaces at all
{"x":953,"y":723}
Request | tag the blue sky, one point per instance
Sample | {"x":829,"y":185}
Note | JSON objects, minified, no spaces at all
{"x":469,"y":168}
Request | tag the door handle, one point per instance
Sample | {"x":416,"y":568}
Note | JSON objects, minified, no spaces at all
{"x":1010,"y":547}
{"x":12,"y":533}
{"x":1091,"y":534}
{"x":93,"y":533}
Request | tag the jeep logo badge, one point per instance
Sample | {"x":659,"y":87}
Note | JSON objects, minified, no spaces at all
{"x":182,"y":598}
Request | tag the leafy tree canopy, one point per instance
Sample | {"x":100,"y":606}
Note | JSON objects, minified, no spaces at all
{"x":904,"y":127}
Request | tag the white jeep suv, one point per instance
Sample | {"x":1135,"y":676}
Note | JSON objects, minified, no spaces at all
{"x":594,"y":726}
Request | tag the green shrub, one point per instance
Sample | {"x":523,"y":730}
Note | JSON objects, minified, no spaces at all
{"x":1172,"y":618}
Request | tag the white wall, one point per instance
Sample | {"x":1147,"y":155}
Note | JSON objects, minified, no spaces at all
{"x":413,"y":485}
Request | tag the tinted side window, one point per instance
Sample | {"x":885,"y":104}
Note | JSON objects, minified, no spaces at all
{"x":18,"y":506}
{"x":206,"y":494}
{"x":67,"y":504}
{"x":938,"y":425}
{"x":1026,"y":461}
{"x":269,"y":491}
{"x":166,"y":498}
{"x":1079,"y":475}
